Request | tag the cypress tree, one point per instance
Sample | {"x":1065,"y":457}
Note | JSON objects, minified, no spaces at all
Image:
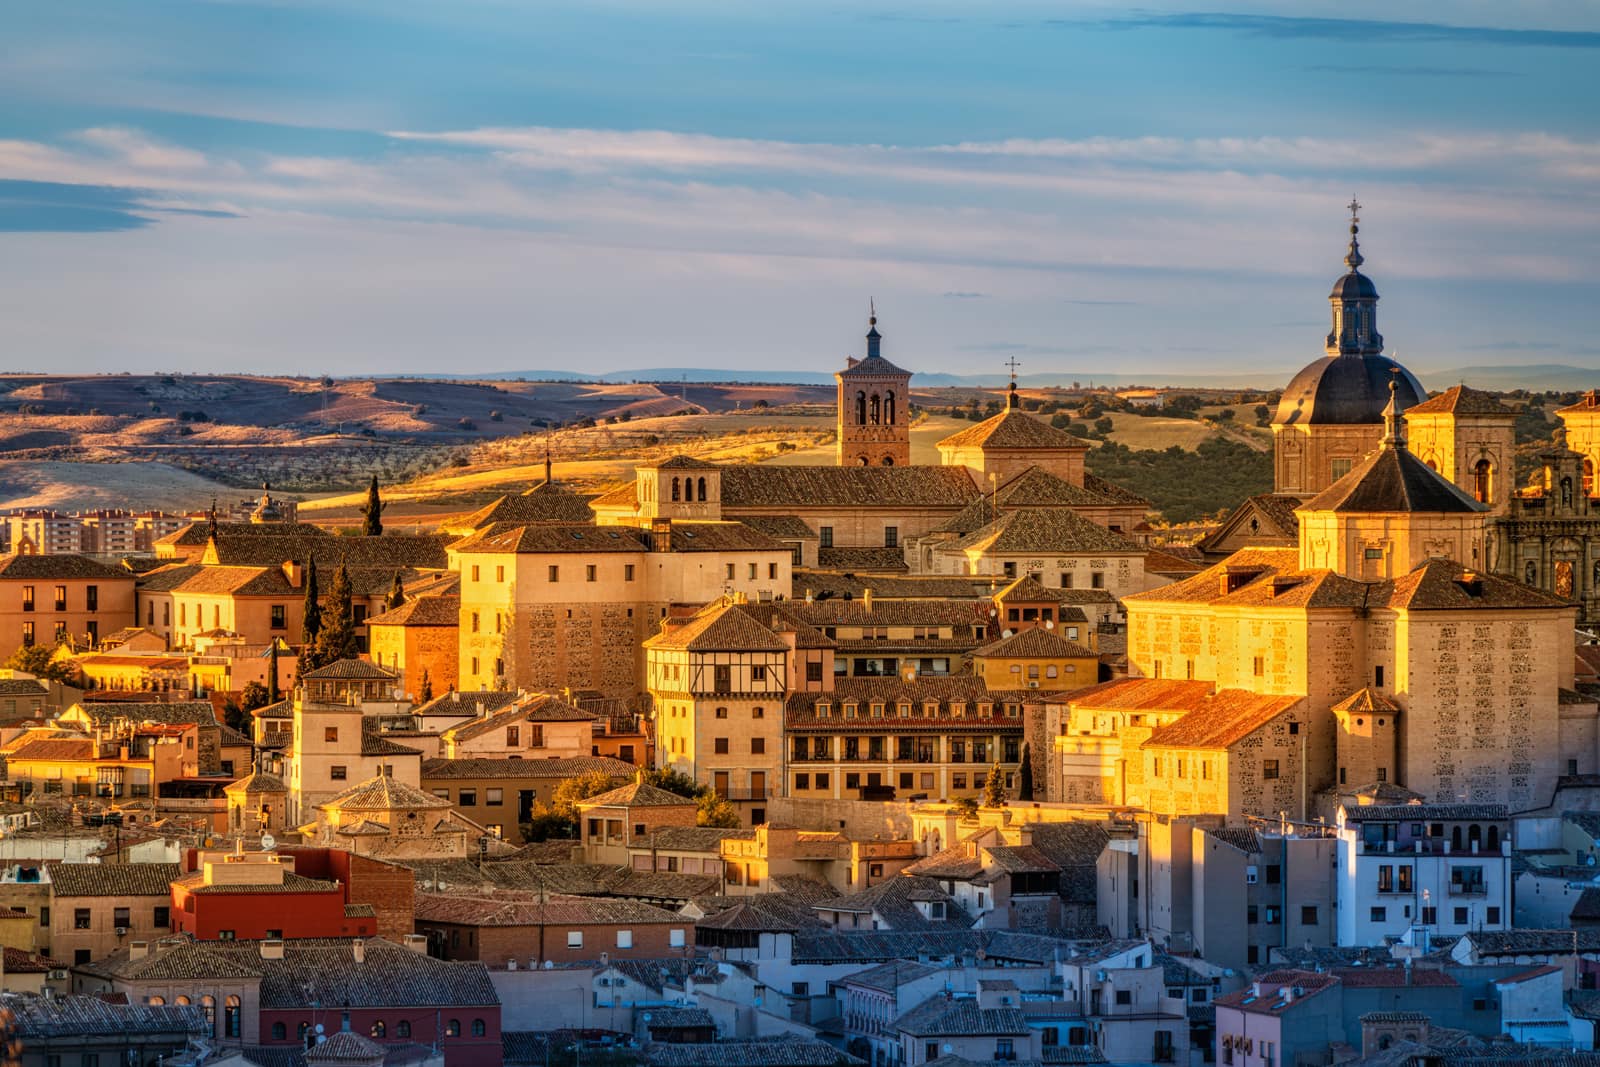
{"x":994,"y":790}
{"x":272,"y":673}
{"x":312,"y":606}
{"x":397,"y":595}
{"x":372,"y":511}
{"x":427,"y":688}
{"x":337,"y":638}
{"x":1025,"y":775}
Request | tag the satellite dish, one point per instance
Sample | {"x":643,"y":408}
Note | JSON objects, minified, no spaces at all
{"x":1049,"y":624}
{"x":318,"y":1028}
{"x":268,"y":842}
{"x":946,"y":1048}
{"x":1005,"y":633}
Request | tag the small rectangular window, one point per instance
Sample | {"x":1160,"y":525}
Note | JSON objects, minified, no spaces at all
{"x":825,"y":536}
{"x":467,"y":798}
{"x":474,"y":572}
{"x":554,"y":573}
{"x":627,"y":572}
{"x":1377,"y":677}
{"x":493,"y":798}
{"x":499,"y":573}
{"x":590,"y":572}
{"x":574,"y":938}
{"x":624,"y":938}
{"x":80,"y":919}
{"x":337,"y":773}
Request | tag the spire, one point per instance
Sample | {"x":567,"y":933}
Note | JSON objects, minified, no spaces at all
{"x":873,"y":337}
{"x":1011,"y":394}
{"x":1355,"y":303}
{"x":1394,"y":427}
{"x":1353,"y":258}
{"x":549,"y":467}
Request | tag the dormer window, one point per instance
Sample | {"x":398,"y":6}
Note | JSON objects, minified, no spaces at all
{"x":959,"y":710}
{"x":985,"y":710}
{"x":905,"y":711}
{"x":824,"y":709}
{"x":850,"y":711}
{"x":875,"y":711}
{"x":931,"y":709}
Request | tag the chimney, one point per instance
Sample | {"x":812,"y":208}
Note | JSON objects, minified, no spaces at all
{"x":417,"y":943}
{"x":272,"y":950}
{"x":811,"y":597}
{"x":138,"y":950}
{"x":358,"y":950}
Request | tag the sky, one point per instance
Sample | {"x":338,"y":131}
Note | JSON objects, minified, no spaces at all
{"x":396,"y":186}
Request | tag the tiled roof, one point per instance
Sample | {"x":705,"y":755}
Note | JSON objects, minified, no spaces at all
{"x":872,"y":367}
{"x":719,"y":627}
{"x":53,"y":750}
{"x":800,"y":710}
{"x":1391,"y":977}
{"x":695,"y":838}
{"x":894,"y":901}
{"x":1424,"y":812}
{"x":195,"y":534}
{"x":18,"y":961}
{"x":1461,"y":400}
{"x":785,"y":1051}
{"x":667,"y":1017}
{"x":1037,"y":643}
{"x":175,"y":713}
{"x":1526,"y":942}
{"x":1058,"y":530}
{"x":873,"y":559}
{"x":785,"y":487}
{"x":1367,"y":699}
{"x":292,"y":883}
{"x":466,"y":704}
{"x":1271,"y":1002}
{"x":1444,"y":585}
{"x":637,"y":795}
{"x":112,"y":879}
{"x":1241,"y":838}
{"x":541,"y":504}
{"x":857,"y":612}
{"x":529,"y":707}
{"x":527,"y":910}
{"x":1393,"y":480}
{"x":46,"y":568}
{"x":351,"y":669}
{"x":422,"y":611}
{"x":939,"y":1017}
{"x":1228,"y":716}
{"x":781,"y":527}
{"x":889,"y":976}
{"x":384,"y":793}
{"x":555,"y":537}
{"x":835,"y":587}
{"x":426,"y":551}
{"x":1277,"y":508}
{"x":22,"y":687}
{"x":345,"y":1046}
{"x":494,"y":767}
{"x":1013,"y":428}
{"x":44,"y":1019}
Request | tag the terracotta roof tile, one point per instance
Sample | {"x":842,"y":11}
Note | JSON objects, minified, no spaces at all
{"x":1228,"y":716}
{"x":1461,"y":400}
{"x":1013,"y":428}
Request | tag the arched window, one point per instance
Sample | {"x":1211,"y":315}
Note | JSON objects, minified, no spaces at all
{"x":702,"y":490}
{"x":1566,"y":492}
{"x":1530,"y":573}
{"x":676,"y":489}
{"x":378,"y":1029}
{"x":479,"y":1028}
{"x":877,"y":410}
{"x":453,"y":1028}
{"x":209,"y":1003}
{"x":1492,"y":842}
{"x":181,"y":1001}
{"x":402,"y":1028}
{"x":230,"y":1017}
{"x":1474,"y":835}
{"x":280,"y":1032}
{"x":861,"y":408}
{"x":1455,"y":839}
{"x":888,"y":407}
{"x":863,"y":461}
{"x":155,"y":1001}
{"x":1480,"y":480}
{"x":888,"y":461}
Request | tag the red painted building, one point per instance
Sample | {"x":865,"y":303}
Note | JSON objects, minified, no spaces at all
{"x":249,"y":896}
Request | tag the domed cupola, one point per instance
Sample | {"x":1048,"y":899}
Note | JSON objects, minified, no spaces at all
{"x":1355,"y":303}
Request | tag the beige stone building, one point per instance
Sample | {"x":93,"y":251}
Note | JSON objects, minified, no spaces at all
{"x":388,"y":819}
{"x":532,"y":726}
{"x":336,"y":741}
{"x":420,"y":642}
{"x":1036,"y":658}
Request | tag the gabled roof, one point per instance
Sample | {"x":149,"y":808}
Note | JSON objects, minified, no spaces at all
{"x":720,"y":627}
{"x":1393,"y":480}
{"x":540,"y":504}
{"x":894,"y":900}
{"x":1058,"y":530}
{"x":1367,"y":699}
{"x":637,"y":795}
{"x":1461,"y":400}
{"x":351,"y":669}
{"x":682,"y":462}
{"x":51,"y":567}
{"x":113,"y":879}
{"x":1227,"y":717}
{"x":939,"y":1016}
{"x":1444,"y":585}
{"x":1014,"y":429}
{"x":531,"y":707}
{"x":180,"y":712}
{"x":1037,"y":643}
{"x":422,"y":611}
{"x":258,"y":782}
{"x":789,"y":487}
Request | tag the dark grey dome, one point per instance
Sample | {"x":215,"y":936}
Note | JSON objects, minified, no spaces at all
{"x":1341,"y":390}
{"x":1354,"y":286}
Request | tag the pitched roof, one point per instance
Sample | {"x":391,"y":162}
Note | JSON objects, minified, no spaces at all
{"x":1013,"y":428}
{"x":1367,"y":699}
{"x":1037,"y":643}
{"x":682,"y":462}
{"x":1445,"y":585}
{"x":554,"y":537}
{"x":422,"y":611}
{"x":528,"y":707}
{"x":258,"y":782}
{"x":540,"y":504}
{"x":719,"y":627}
{"x":894,"y":900}
{"x":178,"y":712}
{"x":786,"y":487}
{"x":1393,"y":480}
{"x":637,"y":795}
{"x":1226,"y":717}
{"x":466,"y":703}
{"x":863,"y":558}
{"x":40,"y":1019}
{"x":1424,"y":812}
{"x":509,"y":767}
{"x":384,"y":793}
{"x":889,"y":976}
{"x":786,"y":1050}
{"x":1057,"y":530}
{"x":352,"y":669}
{"x":941,"y":1017}
{"x":389,"y":551}
{"x":51,"y":567}
{"x":113,"y":879}
{"x":526,"y":909}
{"x":1461,"y":400}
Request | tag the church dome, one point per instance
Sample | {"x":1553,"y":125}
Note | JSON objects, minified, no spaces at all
{"x":1354,"y":286}
{"x":1346,"y":389}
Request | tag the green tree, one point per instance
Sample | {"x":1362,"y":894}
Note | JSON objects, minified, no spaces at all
{"x":372,"y":511}
{"x":427,"y":687}
{"x":966,"y":808}
{"x":397,"y":594}
{"x":1103,"y":425}
{"x":994,"y":788}
{"x":254,"y":696}
{"x":1025,"y":774}
{"x":336,"y":639}
{"x":234,"y":717}
{"x":312,"y":606}
{"x":1225,"y":415}
{"x":714,"y":810}
{"x":40,"y":661}
{"x":674,"y":782}
{"x":1263,"y":415}
{"x":564,"y":800}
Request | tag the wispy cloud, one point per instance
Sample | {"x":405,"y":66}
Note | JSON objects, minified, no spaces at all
{"x":1361,"y":31}
{"x":1376,"y":70}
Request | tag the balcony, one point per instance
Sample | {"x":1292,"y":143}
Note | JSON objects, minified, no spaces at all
{"x":1469,"y":889}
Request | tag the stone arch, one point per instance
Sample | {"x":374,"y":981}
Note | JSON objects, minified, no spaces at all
{"x":888,"y":407}
{"x":863,"y":461}
{"x":1483,"y":480}
{"x":861,"y":407}
{"x":677,"y":489}
{"x":877,"y":409}
{"x":888,"y":461}
{"x":702,"y":489}
{"x":1492,"y":839}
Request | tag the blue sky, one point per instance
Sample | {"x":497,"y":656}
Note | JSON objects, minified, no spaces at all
{"x":486,"y":185}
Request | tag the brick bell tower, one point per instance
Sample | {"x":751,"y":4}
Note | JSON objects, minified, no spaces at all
{"x":874,"y":409}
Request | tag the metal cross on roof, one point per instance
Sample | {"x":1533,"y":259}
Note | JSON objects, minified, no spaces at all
{"x":1355,"y":210}
{"x":1013,"y":364}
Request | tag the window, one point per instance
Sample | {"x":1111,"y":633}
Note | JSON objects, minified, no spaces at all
{"x":825,"y":536}
{"x":758,"y":712}
{"x":1492,"y":916}
{"x":727,"y":571}
{"x":230,"y":1017}
{"x":553,"y":573}
{"x":453,"y":1027}
{"x":1269,"y":768}
{"x":162,"y":916}
{"x":1097,"y":580}
{"x":1274,"y":915}
{"x":61,"y":598}
{"x":513,"y":736}
{"x":337,"y":773}
{"x":822,"y":781}
{"x":27,"y":634}
{"x":225,"y":935}
{"x":493,"y":798}
{"x":719,"y":745}
{"x":1252,"y":914}
{"x":1461,"y":916}
{"x":624,"y":938}
{"x":479,"y":1028}
{"x":721,"y":713}
{"x":1377,"y":677}
{"x":402,"y":1028}
{"x":1003,"y":1049}
{"x":574,"y":938}
{"x":1274,"y":874}
{"x":1430,"y":915}
{"x":330,"y":734}
{"x":474,"y":572}
{"x":1124,"y":996}
{"x":474,"y":622}
{"x":121,"y":917}
{"x":467,"y":798}
{"x":280,"y":619}
{"x":590,"y":572}
{"x":280,"y":1032}
{"x":891,"y":537}
{"x":758,"y":746}
{"x":675,"y":938}
{"x":1379,"y":915}
{"x":27,"y":598}
{"x":80,"y":919}
{"x":802,"y":781}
